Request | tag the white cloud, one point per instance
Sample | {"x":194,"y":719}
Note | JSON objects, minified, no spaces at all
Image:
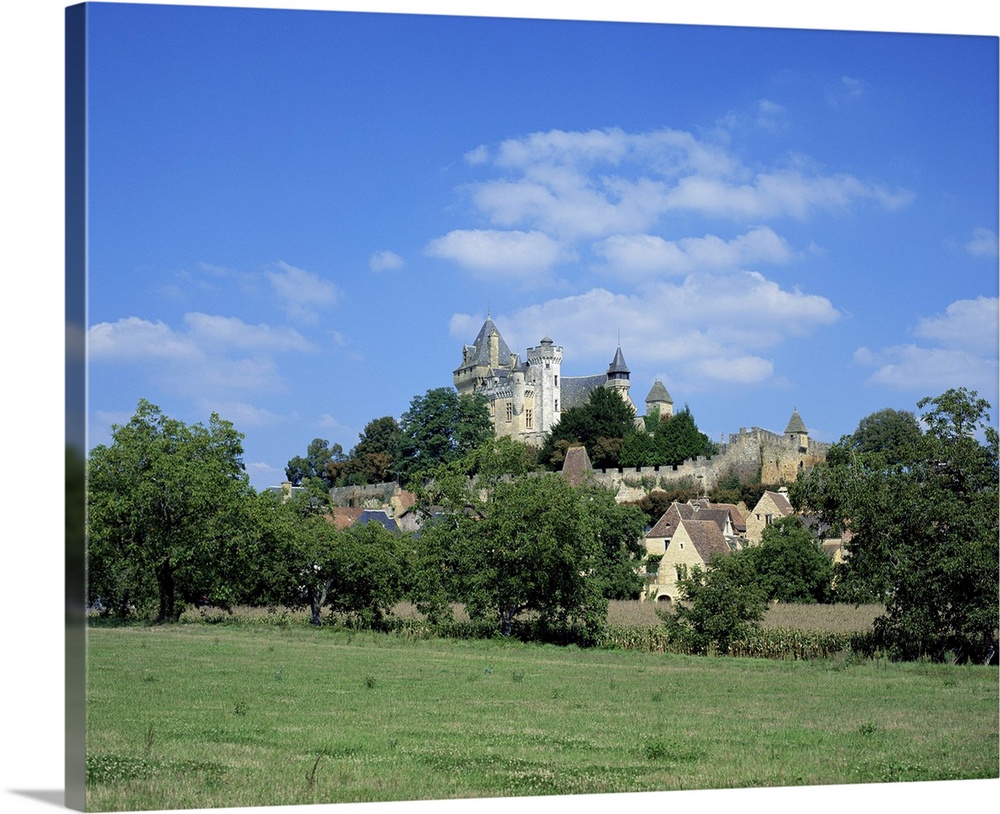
{"x":967,"y":355}
{"x":645,"y":255}
{"x":385,"y":261}
{"x":302,"y":291}
{"x":135,"y":339}
{"x":929,"y":370}
{"x":241,"y":414}
{"x":511,"y":253}
{"x":602,"y":182}
{"x":970,"y":325}
{"x":212,"y":357}
{"x":983,"y":243}
{"x":705,"y":329}
{"x":230,"y":332}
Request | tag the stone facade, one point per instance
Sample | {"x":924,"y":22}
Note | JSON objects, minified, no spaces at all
{"x":526,"y":399}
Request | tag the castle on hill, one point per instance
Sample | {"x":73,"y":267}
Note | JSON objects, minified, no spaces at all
{"x":526,"y":399}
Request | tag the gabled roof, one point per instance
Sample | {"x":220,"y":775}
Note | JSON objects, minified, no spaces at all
{"x":576,"y":466}
{"x":780,"y":502}
{"x":618,"y":363}
{"x":667,"y":524}
{"x":658,"y":394}
{"x":706,"y":537}
{"x":716,"y":514}
{"x":735,"y":516}
{"x":796,"y":424}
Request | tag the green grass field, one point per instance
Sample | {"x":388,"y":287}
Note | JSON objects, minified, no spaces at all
{"x":196,"y":715}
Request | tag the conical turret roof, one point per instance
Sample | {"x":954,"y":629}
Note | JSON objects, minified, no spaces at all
{"x":796,"y":425}
{"x":481,"y":354}
{"x":658,"y":394}
{"x":618,"y":363}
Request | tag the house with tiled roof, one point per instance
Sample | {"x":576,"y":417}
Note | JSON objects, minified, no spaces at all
{"x":663,"y":530}
{"x":771,"y":506}
{"x":693,"y":543}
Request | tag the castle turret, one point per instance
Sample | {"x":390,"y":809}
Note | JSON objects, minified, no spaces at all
{"x":659,"y":399}
{"x":544,"y":364}
{"x":618,"y":377}
{"x":796,"y":431}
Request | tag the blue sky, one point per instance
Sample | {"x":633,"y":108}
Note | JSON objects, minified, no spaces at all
{"x":297,"y":218}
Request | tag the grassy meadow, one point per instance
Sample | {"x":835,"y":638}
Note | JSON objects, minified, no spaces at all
{"x":205,"y":715}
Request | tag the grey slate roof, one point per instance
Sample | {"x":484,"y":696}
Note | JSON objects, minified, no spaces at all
{"x":618,"y":363}
{"x":575,"y":390}
{"x":482,"y":345}
{"x":658,"y":393}
{"x":796,"y":424}
{"x":377,"y":516}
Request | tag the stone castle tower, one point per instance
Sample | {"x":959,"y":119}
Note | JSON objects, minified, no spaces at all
{"x":526,"y":399}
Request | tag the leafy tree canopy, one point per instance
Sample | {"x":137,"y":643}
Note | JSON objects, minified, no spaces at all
{"x":439,"y":428}
{"x":599,"y":424}
{"x":923,"y":511}
{"x":316,"y":463}
{"x":168,"y":514}
{"x":789,"y":564}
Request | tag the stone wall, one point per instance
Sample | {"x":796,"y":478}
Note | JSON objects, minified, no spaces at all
{"x":749,"y":454}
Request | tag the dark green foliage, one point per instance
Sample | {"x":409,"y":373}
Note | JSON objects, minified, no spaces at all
{"x":531,"y":545}
{"x":673,"y":440}
{"x":790,"y":565}
{"x":169,"y":516}
{"x":720,"y":604}
{"x":376,"y":456}
{"x":600,"y":425}
{"x":439,"y":428}
{"x":316,"y":464}
{"x":923,"y":510}
{"x":356,"y":572}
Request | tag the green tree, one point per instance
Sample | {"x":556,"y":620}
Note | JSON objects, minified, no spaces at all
{"x":356,"y":572}
{"x":168,"y":514}
{"x":719,"y":604}
{"x":441,"y":427}
{"x":316,"y":463}
{"x":376,"y":456}
{"x":924,"y":518}
{"x":600,"y":424}
{"x":531,"y":544}
{"x":790,"y":565}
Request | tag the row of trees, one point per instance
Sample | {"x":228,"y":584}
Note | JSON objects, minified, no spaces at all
{"x":438,"y":427}
{"x":173,"y":520}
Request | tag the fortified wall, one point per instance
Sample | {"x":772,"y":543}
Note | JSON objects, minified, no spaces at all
{"x":749,"y":454}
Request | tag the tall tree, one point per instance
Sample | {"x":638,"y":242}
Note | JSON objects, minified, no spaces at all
{"x":376,"y":456}
{"x":924,"y":520}
{"x":168,"y":514}
{"x":316,"y":463}
{"x":599,"y":424}
{"x":439,"y":428}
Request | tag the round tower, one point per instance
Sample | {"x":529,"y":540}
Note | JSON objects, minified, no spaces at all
{"x":544,"y":366}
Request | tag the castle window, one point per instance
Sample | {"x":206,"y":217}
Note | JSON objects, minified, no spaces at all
{"x":557,"y":405}
{"x":556,"y":381}
{"x":527,"y":419}
{"x":510,"y":412}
